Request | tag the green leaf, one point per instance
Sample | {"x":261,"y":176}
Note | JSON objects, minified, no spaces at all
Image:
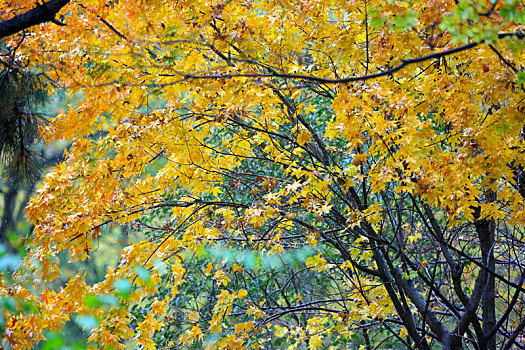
{"x":30,"y":307}
{"x":123,"y":287}
{"x":8,"y":304}
{"x":159,"y":266}
{"x":92,"y":301}
{"x":9,"y":262}
{"x":108,"y":299}
{"x":250,"y":260}
{"x":78,"y":346}
{"x":87,"y":322}
{"x":54,"y":341}
{"x":143,"y":274}
{"x":407,"y":20}
{"x":521,"y":77}
{"x":271,"y":260}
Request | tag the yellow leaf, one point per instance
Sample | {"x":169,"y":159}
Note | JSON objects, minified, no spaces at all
{"x":403,"y":332}
{"x":315,"y":342}
{"x":317,"y":263}
{"x":237,"y":268}
{"x":195,"y":332}
{"x":208,"y":268}
{"x":216,"y":191}
{"x":242,"y":293}
{"x":359,"y":158}
{"x":304,"y":137}
{"x":193,"y":316}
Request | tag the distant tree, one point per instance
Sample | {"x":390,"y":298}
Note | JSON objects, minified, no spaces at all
{"x":22,"y":95}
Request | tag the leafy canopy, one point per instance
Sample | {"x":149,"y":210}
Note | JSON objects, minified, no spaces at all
{"x":301,"y":173}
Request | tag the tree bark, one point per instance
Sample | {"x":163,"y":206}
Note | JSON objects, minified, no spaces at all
{"x":42,"y":13}
{"x":485,"y":229}
{"x":7,"y":217}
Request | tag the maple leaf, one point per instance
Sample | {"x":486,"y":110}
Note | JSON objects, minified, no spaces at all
{"x":304,"y":137}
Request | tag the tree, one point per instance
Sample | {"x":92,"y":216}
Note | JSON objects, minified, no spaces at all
{"x":22,"y":97}
{"x":305,"y":174}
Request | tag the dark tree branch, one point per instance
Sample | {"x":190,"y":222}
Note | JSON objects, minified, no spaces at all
{"x":382,"y":73}
{"x":42,"y":13}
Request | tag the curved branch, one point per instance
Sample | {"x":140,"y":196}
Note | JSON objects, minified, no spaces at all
{"x":321,"y":80}
{"x":42,"y":13}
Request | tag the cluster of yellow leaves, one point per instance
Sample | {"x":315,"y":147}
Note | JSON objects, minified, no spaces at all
{"x":327,"y":328}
